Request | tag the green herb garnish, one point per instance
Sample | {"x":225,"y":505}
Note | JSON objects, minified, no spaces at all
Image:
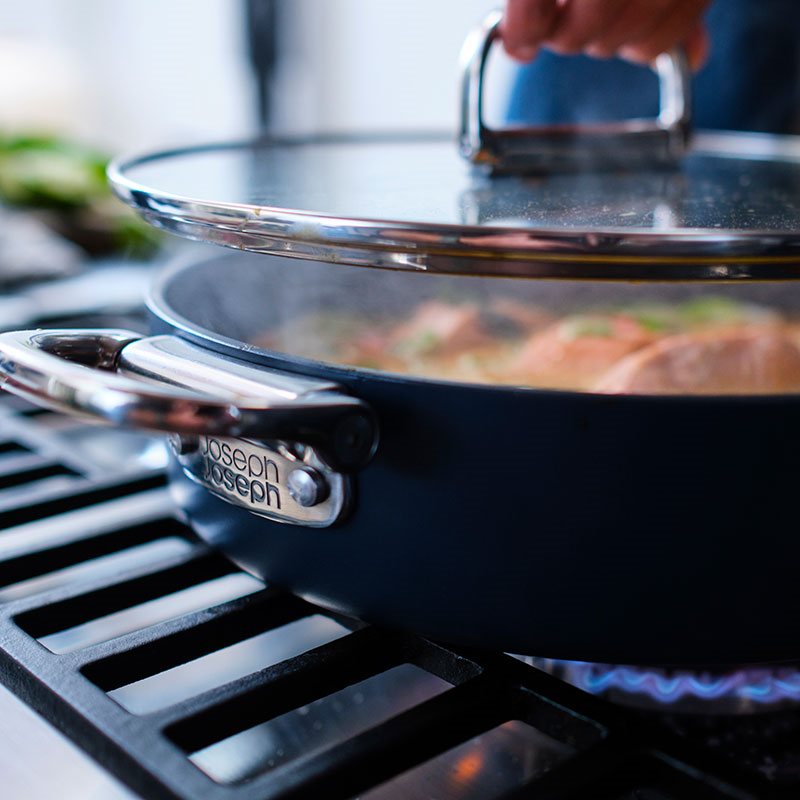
{"x":706,"y":310}
{"x":422,"y":343}
{"x":576,"y":327}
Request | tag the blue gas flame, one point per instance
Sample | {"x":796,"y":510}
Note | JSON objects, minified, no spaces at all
{"x":756,"y":685}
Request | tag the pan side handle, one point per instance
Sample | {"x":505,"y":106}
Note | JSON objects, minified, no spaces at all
{"x":164,"y":383}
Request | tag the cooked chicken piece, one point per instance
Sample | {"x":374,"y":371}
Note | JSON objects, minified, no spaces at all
{"x":370,"y":349}
{"x":526,"y":318}
{"x":441,"y":329}
{"x":576,"y":351}
{"x":743,"y":361}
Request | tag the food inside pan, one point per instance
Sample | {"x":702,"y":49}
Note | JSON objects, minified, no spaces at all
{"x":708,"y":344}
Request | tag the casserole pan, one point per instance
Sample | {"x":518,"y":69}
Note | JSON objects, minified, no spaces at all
{"x":583,"y":524}
{"x":619,"y":528}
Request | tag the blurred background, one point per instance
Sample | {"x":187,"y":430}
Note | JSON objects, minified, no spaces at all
{"x":142,"y":73}
{"x":84,"y":80}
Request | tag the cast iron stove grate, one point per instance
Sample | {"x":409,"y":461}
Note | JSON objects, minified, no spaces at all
{"x":186,"y":678}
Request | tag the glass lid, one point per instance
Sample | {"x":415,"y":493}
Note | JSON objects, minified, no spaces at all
{"x":729,"y":209}
{"x":626,"y":200}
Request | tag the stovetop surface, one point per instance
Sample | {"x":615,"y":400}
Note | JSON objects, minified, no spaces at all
{"x":135,"y":661}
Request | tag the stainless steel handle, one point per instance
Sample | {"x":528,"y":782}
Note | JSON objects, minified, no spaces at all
{"x":633,"y":143}
{"x":164,"y":383}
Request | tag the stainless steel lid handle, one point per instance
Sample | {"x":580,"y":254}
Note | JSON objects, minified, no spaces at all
{"x":633,"y":143}
{"x":164,"y":383}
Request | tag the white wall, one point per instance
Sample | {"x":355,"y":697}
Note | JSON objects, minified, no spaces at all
{"x":375,"y":64}
{"x":147,"y":71}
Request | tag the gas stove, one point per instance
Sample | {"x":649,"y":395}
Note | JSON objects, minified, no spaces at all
{"x":137,"y":662}
{"x":182,"y":677}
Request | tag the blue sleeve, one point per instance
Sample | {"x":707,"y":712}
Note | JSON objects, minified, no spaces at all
{"x":751,"y":81}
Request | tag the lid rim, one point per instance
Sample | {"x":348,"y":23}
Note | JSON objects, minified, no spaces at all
{"x":489,"y":250}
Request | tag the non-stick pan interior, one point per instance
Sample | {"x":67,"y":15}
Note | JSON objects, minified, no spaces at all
{"x":308,"y":309}
{"x":240,"y":295}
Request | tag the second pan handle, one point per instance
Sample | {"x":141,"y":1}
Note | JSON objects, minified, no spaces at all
{"x":632,"y":143}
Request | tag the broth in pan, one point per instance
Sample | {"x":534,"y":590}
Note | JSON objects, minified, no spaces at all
{"x":703,"y":345}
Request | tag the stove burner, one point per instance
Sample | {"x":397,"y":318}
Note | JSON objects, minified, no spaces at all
{"x":742,"y":690}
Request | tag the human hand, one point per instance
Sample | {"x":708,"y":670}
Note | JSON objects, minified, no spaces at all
{"x":637,"y":30}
